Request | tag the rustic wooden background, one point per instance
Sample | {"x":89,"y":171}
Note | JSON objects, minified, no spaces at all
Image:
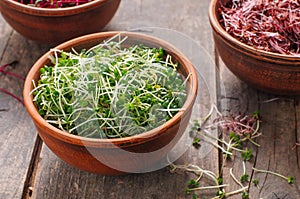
{"x":30,"y":170}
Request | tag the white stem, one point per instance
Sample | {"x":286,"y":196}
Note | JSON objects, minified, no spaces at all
{"x":209,"y":187}
{"x":234,"y":178}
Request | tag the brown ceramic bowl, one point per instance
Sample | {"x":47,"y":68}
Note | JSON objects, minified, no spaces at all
{"x":119,"y":155}
{"x":56,"y":25}
{"x":270,"y":72}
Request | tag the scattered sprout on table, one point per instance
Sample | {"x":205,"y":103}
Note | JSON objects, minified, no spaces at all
{"x":247,"y":154}
{"x":238,"y":130}
{"x":289,"y":179}
{"x":255,"y":181}
{"x":245,"y":176}
{"x":3,"y":70}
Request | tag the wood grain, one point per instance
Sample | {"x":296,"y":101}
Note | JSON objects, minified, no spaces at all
{"x":276,"y":152}
{"x":279,"y":128}
{"x":5,"y":32}
{"x":235,"y":98}
{"x":29,"y":170}
{"x":17,"y":135}
{"x":54,"y":177}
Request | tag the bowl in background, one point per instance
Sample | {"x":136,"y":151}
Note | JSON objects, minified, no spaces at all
{"x":117,"y":155}
{"x":56,"y":25}
{"x":271,"y":72}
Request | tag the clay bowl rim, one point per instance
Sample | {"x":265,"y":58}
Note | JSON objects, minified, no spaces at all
{"x":113,"y":142}
{"x":54,"y":12}
{"x":230,"y":40}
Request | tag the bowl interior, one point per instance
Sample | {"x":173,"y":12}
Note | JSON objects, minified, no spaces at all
{"x":215,"y":16}
{"x":32,"y":10}
{"x":85,"y":42}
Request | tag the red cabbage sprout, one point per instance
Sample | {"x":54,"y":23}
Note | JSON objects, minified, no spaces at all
{"x":3,"y":70}
{"x":269,"y":25}
{"x":53,"y":3}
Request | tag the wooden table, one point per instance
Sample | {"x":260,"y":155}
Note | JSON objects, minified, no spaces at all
{"x":30,"y":170}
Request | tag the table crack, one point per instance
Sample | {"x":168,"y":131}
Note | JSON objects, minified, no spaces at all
{"x":30,"y":177}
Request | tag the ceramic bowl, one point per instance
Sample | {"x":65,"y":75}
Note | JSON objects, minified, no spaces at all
{"x":118,"y":155}
{"x":56,"y":25}
{"x":271,"y":72}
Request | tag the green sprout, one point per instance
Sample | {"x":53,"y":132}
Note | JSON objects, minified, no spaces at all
{"x":289,"y":179}
{"x":247,"y":154}
{"x":194,"y":196}
{"x":245,"y":195}
{"x":221,"y":194}
{"x":196,"y":142}
{"x":109,"y":91}
{"x":244,"y":178}
{"x":255,"y":182}
{"x":240,"y":129}
{"x":193,"y":183}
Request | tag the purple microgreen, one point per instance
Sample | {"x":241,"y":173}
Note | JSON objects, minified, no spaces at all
{"x":53,"y":3}
{"x":268,"y":25}
{"x":3,"y":67}
{"x":3,"y":70}
{"x":12,"y":74}
{"x":12,"y":95}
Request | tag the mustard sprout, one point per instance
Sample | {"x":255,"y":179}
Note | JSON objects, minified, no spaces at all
{"x":108,"y":91}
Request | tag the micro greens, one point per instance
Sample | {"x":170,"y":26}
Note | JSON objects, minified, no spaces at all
{"x":243,"y":188}
{"x":255,"y":182}
{"x":245,"y":195}
{"x":247,"y":154}
{"x":237,"y":132}
{"x":240,"y":129}
{"x":196,"y":142}
{"x":53,"y":3}
{"x":245,"y":176}
{"x":109,"y":91}
{"x":289,"y":179}
{"x":268,"y":25}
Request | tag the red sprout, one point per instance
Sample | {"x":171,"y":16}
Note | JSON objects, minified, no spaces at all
{"x":53,"y":3}
{"x":243,"y":125}
{"x":2,"y":70}
{"x":12,"y":95}
{"x":268,"y":25}
{"x":240,"y":124}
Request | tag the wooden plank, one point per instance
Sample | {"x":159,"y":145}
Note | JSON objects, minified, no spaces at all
{"x":5,"y":32}
{"x":276,"y":152}
{"x":279,"y":129}
{"x":17,"y":135}
{"x":55,"y":179}
{"x":235,"y":98}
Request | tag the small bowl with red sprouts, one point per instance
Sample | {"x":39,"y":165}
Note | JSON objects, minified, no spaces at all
{"x":259,"y":41}
{"x":56,"y":21}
